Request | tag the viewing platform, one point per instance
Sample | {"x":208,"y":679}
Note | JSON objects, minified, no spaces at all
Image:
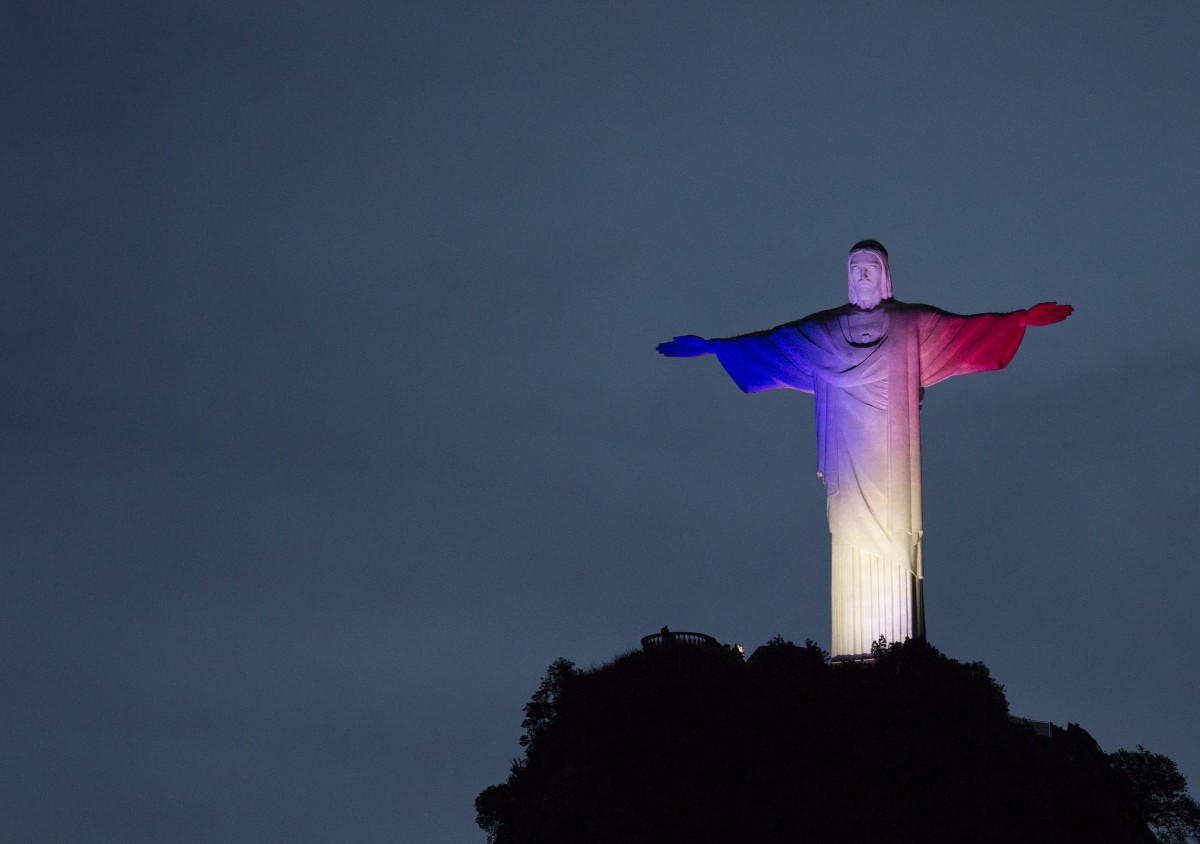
{"x":667,"y":638}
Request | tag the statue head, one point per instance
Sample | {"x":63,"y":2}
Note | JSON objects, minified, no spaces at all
{"x":870,"y":280}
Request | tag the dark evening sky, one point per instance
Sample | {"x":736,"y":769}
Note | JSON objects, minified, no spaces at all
{"x":331,"y":413}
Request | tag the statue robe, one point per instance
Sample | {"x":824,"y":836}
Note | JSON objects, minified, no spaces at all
{"x":868,"y":371}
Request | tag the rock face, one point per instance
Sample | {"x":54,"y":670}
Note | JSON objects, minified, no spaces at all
{"x":696,"y":745}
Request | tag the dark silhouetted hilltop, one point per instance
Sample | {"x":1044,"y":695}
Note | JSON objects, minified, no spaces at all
{"x":685,"y":741}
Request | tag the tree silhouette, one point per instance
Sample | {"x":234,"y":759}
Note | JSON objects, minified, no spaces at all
{"x":542,"y":708}
{"x":1160,"y":792}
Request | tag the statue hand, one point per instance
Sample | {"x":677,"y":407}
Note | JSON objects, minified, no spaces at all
{"x":686,"y":346}
{"x":1046,"y":313}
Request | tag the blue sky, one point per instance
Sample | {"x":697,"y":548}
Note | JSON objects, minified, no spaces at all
{"x":332,"y":415}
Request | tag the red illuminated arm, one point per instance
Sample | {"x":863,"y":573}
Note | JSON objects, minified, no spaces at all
{"x":955,"y":345}
{"x":1046,"y":313}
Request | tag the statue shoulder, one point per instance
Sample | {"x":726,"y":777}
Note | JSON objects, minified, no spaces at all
{"x":807,"y":326}
{"x":910,"y":307}
{"x":913,"y":311}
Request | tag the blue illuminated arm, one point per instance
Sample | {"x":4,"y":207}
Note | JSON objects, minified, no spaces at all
{"x":686,"y":346}
{"x":756,"y":362}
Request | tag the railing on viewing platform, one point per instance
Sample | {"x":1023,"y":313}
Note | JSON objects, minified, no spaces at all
{"x":662,"y":640}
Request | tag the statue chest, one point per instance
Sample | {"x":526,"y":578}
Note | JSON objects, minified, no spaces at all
{"x":865,"y":328}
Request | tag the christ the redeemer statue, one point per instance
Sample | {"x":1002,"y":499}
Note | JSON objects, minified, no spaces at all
{"x":867,"y":364}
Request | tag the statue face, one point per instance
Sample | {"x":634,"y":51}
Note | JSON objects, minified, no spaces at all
{"x":869,"y":281}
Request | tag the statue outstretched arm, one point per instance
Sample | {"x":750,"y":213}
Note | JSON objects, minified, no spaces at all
{"x":687,"y":346}
{"x":756,"y":362}
{"x":954,"y":344}
{"x":1046,"y":313}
